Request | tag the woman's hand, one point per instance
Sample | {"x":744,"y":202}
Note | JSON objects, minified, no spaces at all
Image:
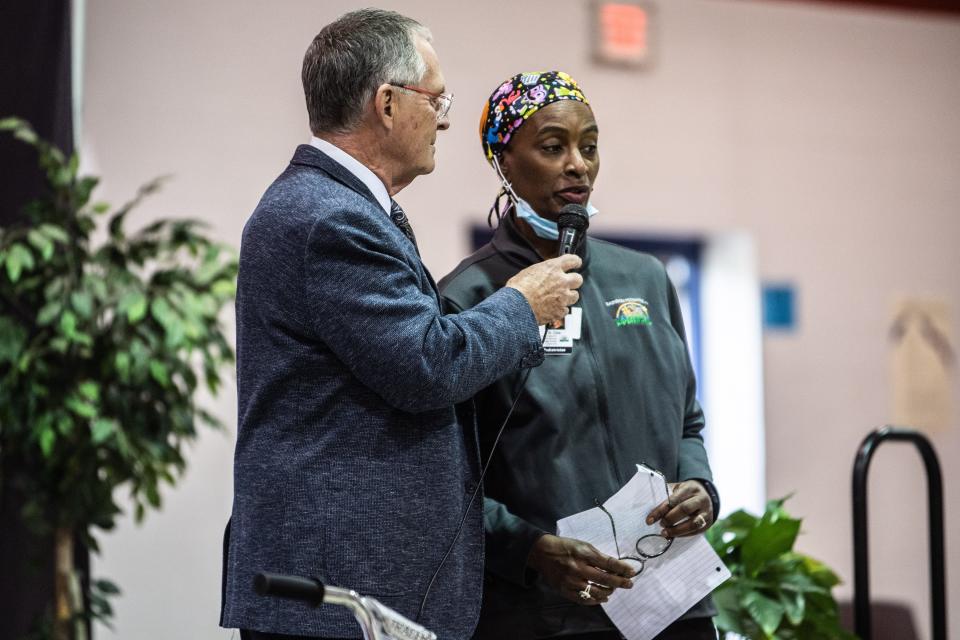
{"x":686,"y":512}
{"x":570,"y":566}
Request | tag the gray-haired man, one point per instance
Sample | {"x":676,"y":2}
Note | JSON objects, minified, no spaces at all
{"x":354,"y":461}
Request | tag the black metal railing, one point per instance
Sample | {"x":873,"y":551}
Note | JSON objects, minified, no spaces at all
{"x":861,"y":580}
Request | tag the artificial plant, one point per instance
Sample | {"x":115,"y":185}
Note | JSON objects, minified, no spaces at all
{"x":773,"y":591}
{"x":103,"y":348}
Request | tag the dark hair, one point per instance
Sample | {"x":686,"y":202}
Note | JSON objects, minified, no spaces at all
{"x":354,"y":55}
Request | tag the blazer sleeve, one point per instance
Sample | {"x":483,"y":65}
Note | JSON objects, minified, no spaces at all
{"x":367,"y":304}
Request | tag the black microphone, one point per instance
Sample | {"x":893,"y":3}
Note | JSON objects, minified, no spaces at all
{"x":572,"y":222}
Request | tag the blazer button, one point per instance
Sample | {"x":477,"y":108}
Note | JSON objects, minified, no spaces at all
{"x":468,"y":487}
{"x":532,"y":359}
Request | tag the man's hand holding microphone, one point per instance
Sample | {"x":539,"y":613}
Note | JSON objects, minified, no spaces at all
{"x":548,"y":286}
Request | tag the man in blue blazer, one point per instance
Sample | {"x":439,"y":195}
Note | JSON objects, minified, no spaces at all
{"x":356,"y":452}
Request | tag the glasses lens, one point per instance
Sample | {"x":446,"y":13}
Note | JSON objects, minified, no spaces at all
{"x":444,"y":106}
{"x":653,"y":545}
{"x":636,"y":565}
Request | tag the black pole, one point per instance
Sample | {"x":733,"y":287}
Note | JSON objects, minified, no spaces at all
{"x":35,"y":84}
{"x":861,"y":579}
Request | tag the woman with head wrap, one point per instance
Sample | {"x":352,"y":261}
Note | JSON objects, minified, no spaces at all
{"x":617,"y":391}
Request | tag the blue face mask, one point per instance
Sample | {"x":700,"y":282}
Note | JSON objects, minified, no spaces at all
{"x":546,"y":229}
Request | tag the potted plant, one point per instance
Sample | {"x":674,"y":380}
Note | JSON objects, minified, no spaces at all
{"x":103,"y":346}
{"x":773,"y":591}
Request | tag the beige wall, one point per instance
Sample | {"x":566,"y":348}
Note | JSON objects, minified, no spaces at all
{"x":830,"y":135}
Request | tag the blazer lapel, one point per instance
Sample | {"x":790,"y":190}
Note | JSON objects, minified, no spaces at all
{"x":308,"y":155}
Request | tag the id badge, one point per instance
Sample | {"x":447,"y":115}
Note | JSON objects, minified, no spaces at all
{"x":560,"y":341}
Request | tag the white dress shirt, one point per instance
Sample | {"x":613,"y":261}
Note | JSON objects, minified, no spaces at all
{"x":357,"y":168}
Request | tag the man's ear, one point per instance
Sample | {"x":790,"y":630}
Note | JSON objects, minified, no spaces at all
{"x":384,"y":102}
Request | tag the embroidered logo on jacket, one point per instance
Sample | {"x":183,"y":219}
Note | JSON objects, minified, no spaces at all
{"x":627,"y":311}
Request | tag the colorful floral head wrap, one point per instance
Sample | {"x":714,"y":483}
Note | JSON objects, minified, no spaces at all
{"x":516,"y":100}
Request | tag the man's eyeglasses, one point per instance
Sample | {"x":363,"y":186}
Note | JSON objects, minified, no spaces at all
{"x":441,"y":101}
{"x":647,"y":547}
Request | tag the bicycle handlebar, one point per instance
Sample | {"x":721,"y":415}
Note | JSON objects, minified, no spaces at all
{"x":308,"y":590}
{"x":378,"y":621}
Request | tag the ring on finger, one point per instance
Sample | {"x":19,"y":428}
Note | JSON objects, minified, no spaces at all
{"x":585,"y":593}
{"x":700,"y":521}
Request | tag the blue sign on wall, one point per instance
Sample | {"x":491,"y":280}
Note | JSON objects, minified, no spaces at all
{"x":779,"y":307}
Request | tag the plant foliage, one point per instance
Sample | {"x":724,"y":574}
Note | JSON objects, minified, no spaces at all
{"x":773,"y":591}
{"x":102,"y":348}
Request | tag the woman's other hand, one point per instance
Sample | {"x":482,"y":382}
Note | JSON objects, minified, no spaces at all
{"x":569,"y":566}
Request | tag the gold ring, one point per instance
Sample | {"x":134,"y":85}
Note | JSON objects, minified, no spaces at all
{"x":585,"y":594}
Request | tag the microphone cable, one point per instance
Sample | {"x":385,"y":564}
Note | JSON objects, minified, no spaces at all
{"x":476,"y":490}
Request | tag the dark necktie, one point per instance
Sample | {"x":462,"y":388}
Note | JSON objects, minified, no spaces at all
{"x":400,"y":219}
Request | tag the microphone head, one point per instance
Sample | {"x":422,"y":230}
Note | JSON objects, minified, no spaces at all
{"x":573,"y":216}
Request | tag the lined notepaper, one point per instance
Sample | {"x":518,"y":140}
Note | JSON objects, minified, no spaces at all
{"x":670,"y":584}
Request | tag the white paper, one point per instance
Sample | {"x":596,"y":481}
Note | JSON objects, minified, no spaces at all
{"x":669,"y":584}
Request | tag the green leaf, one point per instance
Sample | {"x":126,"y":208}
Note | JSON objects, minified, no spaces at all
{"x":47,"y":438}
{"x":175,"y":333}
{"x":82,"y":303}
{"x":82,"y":408}
{"x":728,"y":534}
{"x":122,"y":363}
{"x":794,"y":604}
{"x":13,"y":337}
{"x":159,"y":372}
{"x":153,"y":496}
{"x":820,"y":573}
{"x":68,"y":324}
{"x":802,"y":583}
{"x":55,"y":233}
{"x":90,"y":390}
{"x":766,"y":612}
{"x":65,"y":425}
{"x":224,"y":288}
{"x":42,"y":243}
{"x":49,"y":312}
{"x":97,"y":286}
{"x":18,"y":259}
{"x":26,"y":134}
{"x":102,"y":428}
{"x":768,"y":540}
{"x":53,"y":288}
{"x":106,"y":587}
{"x":727,"y":601}
{"x":123,"y":445}
{"x":61,"y":177}
{"x":134,"y":305}
{"x":162,"y":312}
{"x":12,"y":124}
{"x":82,"y":190}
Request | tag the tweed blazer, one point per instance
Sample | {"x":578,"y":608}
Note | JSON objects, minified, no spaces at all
{"x":354,"y":461}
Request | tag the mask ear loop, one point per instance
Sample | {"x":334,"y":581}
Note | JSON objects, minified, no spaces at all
{"x":505,"y":190}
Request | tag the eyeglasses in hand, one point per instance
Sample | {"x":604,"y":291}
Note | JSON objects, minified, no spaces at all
{"x":647,"y":547}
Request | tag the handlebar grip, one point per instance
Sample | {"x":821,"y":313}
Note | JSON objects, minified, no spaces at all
{"x":291,"y":587}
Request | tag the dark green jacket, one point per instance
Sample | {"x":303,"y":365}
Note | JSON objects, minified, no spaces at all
{"x":626,"y":394}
